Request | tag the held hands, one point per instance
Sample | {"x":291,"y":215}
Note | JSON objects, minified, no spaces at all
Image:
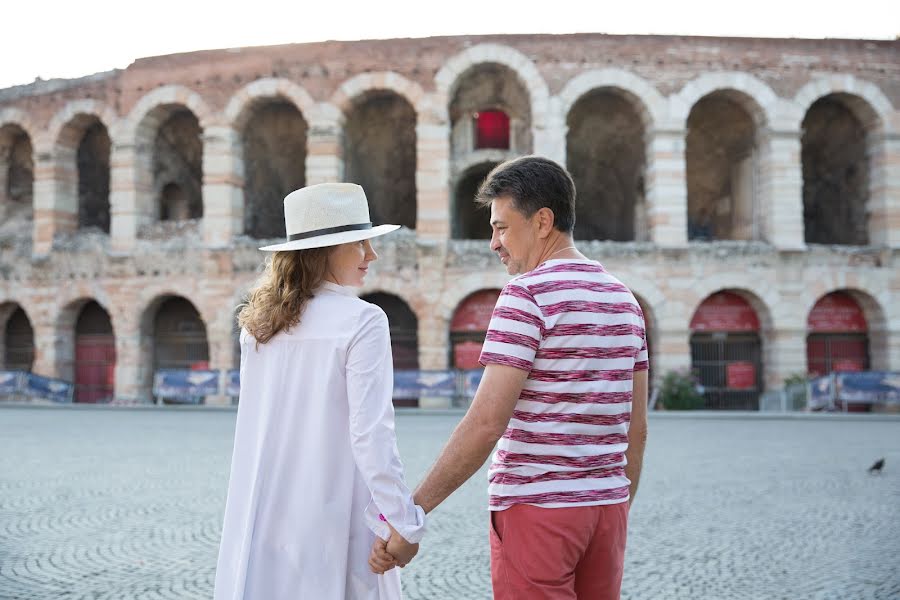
{"x":394,"y":552}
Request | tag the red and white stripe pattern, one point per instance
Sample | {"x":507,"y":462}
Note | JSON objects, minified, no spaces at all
{"x":579,"y":332}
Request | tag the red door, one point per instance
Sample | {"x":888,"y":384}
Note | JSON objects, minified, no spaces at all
{"x":95,"y":366}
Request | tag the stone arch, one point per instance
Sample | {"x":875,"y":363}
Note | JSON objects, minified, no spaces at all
{"x":145,"y":117}
{"x":379,"y":150}
{"x":752,"y":94}
{"x":726,"y":141}
{"x":17,"y":167}
{"x":858,"y":118}
{"x":241,"y":105}
{"x":448,"y":77}
{"x":874,"y":307}
{"x":17,"y":340}
{"x":870,"y":105}
{"x":358,"y":85}
{"x":465,"y":286}
{"x":81,"y":154}
{"x":606,"y":154}
{"x":646,"y":99}
{"x":404,"y":325}
{"x":265,"y":114}
{"x":468,"y":221}
{"x":193,"y":349}
{"x":96,"y":351}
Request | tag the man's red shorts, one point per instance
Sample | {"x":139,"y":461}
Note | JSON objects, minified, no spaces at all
{"x":558,"y":553}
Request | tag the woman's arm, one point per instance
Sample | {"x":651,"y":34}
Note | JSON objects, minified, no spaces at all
{"x":372,"y":436}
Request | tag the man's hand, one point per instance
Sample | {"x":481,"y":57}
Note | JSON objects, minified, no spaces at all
{"x":380,"y":561}
{"x":401,"y":550}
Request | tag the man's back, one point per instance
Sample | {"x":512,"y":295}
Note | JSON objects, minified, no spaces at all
{"x":579,"y":332}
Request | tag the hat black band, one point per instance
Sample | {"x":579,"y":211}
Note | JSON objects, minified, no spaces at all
{"x":308,"y":234}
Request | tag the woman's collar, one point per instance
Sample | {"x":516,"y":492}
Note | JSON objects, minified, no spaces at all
{"x":339,"y":289}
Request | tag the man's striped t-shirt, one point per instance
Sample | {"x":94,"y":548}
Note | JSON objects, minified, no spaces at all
{"x":579,"y":333}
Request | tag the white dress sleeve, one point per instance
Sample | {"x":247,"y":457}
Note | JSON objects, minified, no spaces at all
{"x":370,"y":383}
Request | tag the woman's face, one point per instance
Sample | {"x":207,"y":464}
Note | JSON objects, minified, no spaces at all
{"x":349,"y":263}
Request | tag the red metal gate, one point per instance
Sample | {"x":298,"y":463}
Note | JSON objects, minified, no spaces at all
{"x":838,"y":335}
{"x":95,"y":367}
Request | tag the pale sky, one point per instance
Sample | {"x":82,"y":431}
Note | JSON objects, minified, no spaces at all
{"x":73,"y":38}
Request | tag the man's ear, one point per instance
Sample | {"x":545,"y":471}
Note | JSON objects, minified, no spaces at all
{"x":546,"y":220}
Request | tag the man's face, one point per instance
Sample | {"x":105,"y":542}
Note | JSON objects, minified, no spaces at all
{"x":513,"y":236}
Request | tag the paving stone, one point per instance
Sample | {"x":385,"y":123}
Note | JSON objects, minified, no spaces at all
{"x":121,"y":504}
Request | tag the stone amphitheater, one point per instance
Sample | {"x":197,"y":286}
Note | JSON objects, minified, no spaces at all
{"x":747,"y":190}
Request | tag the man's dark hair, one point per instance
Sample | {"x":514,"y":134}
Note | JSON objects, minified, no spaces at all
{"x":533,"y":183}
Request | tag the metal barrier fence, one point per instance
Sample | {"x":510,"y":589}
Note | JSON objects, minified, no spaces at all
{"x":24,"y":386}
{"x":450,"y":387}
{"x":861,"y":391}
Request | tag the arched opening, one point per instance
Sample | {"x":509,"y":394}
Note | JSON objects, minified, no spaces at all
{"x":721,"y":170}
{"x":178,"y":165}
{"x":838,"y":337}
{"x":179,"y":337}
{"x":95,"y":355}
{"x":18,"y":342}
{"x":404,"y":328}
{"x":174,"y":204}
{"x":380,"y":155}
{"x":92,"y":159}
{"x":16,"y":175}
{"x":274,"y":142}
{"x":470,"y":221}
{"x":835,"y":174}
{"x":488,"y":99}
{"x":605,"y":155}
{"x":726,"y":352}
{"x":469,"y":326}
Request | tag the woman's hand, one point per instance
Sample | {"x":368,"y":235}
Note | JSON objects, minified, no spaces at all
{"x":401,"y":550}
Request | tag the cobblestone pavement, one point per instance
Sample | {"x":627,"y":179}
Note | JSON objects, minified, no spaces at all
{"x":123,"y":504}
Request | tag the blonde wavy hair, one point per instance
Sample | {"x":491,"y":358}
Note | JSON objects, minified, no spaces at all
{"x":281,"y":293}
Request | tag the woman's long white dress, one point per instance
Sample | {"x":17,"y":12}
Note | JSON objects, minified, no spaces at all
{"x":315,"y":460}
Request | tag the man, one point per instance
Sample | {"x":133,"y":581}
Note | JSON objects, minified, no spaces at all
{"x":564,"y":392}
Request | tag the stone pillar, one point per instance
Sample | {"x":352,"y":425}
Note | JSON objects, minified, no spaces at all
{"x":784,"y":354}
{"x":323,"y":157}
{"x":884,"y":191}
{"x":134,"y":356}
{"x":55,"y":198}
{"x":130,"y":195}
{"x":220,"y":335}
{"x":781,"y":191}
{"x":672,"y":351}
{"x":550,"y":135}
{"x":223,"y":187}
{"x":433,"y":216}
{"x":666,"y":188}
{"x":47,"y":347}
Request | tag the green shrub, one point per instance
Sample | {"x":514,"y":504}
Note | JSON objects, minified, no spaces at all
{"x":679,"y":391}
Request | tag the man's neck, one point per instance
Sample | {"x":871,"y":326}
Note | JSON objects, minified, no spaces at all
{"x":560,"y":248}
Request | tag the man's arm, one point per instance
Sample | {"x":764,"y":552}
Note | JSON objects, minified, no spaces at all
{"x":475,"y":436}
{"x":637,"y":432}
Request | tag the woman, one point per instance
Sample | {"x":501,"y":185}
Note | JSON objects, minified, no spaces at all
{"x":315,"y":474}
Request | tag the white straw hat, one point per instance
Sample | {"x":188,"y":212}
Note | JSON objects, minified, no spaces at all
{"x":327,"y":214}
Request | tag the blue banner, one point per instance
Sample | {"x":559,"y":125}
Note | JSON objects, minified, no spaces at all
{"x":187,"y":386}
{"x":233,"y":382}
{"x":47,"y":388}
{"x":820,"y":393}
{"x":10,"y":382}
{"x":415,"y":384}
{"x":869,"y":387}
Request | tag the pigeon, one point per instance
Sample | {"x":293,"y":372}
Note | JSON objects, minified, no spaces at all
{"x":876,"y":468}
